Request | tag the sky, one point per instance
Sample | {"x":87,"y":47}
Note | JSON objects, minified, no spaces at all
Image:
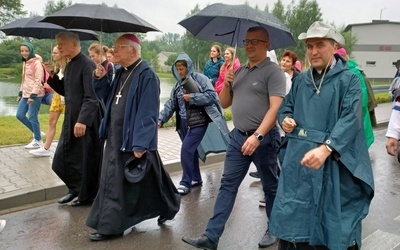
{"x":165,"y":14}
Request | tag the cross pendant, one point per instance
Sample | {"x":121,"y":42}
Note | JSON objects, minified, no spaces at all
{"x":318,"y":92}
{"x":118,"y":96}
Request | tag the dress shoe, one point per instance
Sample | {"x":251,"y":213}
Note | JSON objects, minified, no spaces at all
{"x":255,"y":174}
{"x":78,"y":203}
{"x":202,"y":242}
{"x":99,"y":237}
{"x":68,"y":198}
{"x":267,"y":240}
{"x":197,"y":183}
{"x":161,"y":219}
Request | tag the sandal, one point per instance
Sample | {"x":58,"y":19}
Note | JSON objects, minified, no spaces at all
{"x":182,"y":190}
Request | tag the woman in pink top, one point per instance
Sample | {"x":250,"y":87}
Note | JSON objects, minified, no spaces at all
{"x":228,"y":55}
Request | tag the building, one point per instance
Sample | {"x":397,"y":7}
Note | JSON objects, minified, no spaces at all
{"x":162,"y":58}
{"x":377,"y":47}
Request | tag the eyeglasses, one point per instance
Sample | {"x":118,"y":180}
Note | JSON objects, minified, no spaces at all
{"x":114,"y":47}
{"x":253,"y":41}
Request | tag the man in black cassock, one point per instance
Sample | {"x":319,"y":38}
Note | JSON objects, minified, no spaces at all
{"x":130,"y":128}
{"x":77,"y":157}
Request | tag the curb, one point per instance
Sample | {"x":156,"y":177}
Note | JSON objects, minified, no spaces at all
{"x":25,"y":198}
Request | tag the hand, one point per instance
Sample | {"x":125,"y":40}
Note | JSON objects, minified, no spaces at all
{"x":139,"y":154}
{"x":18,"y":98}
{"x":392,"y":145}
{"x":250,"y":145}
{"x":229,"y":78}
{"x":48,"y":67}
{"x":288,"y":124}
{"x":186,"y":97}
{"x":29,"y":101}
{"x":315,"y":157}
{"x":100,"y":71}
{"x":79,"y":129}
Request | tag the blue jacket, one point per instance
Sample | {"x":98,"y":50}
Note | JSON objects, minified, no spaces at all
{"x":141,"y":111}
{"x":211,"y":69}
{"x":217,"y":135}
{"x":324,"y":206}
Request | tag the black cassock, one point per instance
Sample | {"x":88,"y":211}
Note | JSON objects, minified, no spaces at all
{"x":77,"y":160}
{"x":120,"y":204}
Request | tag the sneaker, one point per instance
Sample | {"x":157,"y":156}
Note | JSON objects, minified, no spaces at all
{"x":40,"y":152}
{"x":34,"y":144}
{"x":2,"y":225}
{"x":261,"y":203}
{"x":197,"y":183}
{"x":267,"y":240}
{"x":182,"y":190}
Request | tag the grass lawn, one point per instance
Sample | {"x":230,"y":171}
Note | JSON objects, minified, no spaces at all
{"x":12,"y":131}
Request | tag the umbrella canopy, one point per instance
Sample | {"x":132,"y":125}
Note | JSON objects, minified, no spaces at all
{"x":100,"y":18}
{"x":32,"y":27}
{"x":228,"y":24}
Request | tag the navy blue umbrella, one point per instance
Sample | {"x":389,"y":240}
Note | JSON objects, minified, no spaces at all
{"x":32,"y":27}
{"x":228,"y":24}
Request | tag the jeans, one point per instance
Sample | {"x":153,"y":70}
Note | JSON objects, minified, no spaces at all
{"x":190,"y":156}
{"x":32,"y":121}
{"x":235,"y":169}
{"x":46,"y":99}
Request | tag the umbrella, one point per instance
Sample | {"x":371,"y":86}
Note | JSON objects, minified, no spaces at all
{"x":100,"y":18}
{"x":32,"y":27}
{"x":228,"y":24}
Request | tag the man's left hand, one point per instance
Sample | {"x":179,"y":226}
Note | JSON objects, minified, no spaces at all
{"x":250,"y":145}
{"x":315,"y":157}
{"x":139,"y":154}
{"x":79,"y":129}
{"x":186,"y":97}
{"x":392,"y":146}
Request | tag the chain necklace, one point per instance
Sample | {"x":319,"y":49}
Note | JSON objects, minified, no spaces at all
{"x":123,"y":84}
{"x":322,"y":79}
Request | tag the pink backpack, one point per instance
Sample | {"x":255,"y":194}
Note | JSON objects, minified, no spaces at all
{"x":46,"y":76}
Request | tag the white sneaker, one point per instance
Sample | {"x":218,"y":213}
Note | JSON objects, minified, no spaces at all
{"x":2,"y":225}
{"x":40,"y":152}
{"x":34,"y":144}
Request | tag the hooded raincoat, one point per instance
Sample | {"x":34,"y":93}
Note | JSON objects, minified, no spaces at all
{"x":32,"y":75}
{"x":217,"y":135}
{"x":324,"y":206}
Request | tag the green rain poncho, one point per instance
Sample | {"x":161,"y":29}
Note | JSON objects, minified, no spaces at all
{"x":324,"y":206}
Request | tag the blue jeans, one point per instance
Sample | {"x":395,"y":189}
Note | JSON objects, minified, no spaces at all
{"x":46,"y":99}
{"x":32,"y":121}
{"x":235,"y":169}
{"x":190,"y":156}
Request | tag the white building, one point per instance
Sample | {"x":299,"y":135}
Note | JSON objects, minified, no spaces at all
{"x":377,"y":47}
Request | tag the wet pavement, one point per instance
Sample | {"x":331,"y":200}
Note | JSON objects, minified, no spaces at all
{"x":47,"y":225}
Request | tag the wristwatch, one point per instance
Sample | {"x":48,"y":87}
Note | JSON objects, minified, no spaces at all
{"x":258,"y":136}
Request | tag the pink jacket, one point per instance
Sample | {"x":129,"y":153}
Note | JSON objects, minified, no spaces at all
{"x":220,"y":82}
{"x":32,"y":81}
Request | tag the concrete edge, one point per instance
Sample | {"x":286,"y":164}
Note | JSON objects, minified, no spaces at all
{"x":25,"y":198}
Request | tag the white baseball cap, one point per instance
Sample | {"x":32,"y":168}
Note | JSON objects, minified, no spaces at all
{"x":322,"y":30}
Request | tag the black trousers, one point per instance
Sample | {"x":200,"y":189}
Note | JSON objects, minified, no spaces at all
{"x":286,"y":245}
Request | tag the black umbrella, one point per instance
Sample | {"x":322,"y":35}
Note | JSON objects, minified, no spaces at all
{"x":228,"y":24}
{"x":32,"y":27}
{"x":100,"y":18}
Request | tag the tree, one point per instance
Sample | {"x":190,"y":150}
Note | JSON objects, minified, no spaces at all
{"x":10,"y":10}
{"x":52,"y":6}
{"x":171,"y":59}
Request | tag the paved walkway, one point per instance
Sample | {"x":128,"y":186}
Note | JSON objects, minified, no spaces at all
{"x":26,"y":179}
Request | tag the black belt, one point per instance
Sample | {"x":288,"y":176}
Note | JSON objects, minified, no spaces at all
{"x":247,"y":133}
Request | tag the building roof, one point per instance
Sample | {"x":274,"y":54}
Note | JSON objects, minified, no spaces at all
{"x":374,"y":22}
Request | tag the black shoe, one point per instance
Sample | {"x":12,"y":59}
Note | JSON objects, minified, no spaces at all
{"x":161,"y":219}
{"x":78,"y":203}
{"x":201,"y":242}
{"x":254,"y":175}
{"x":67,"y":198}
{"x":99,"y":237}
{"x":182,"y":190}
{"x":267,"y":240}
{"x":197,"y":183}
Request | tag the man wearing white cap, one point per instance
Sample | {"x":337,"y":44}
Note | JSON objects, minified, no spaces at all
{"x":326,"y":184}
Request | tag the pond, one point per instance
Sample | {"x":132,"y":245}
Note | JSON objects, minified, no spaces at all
{"x":9,"y":92}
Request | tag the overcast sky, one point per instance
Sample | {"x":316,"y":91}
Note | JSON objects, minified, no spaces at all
{"x":165,"y":14}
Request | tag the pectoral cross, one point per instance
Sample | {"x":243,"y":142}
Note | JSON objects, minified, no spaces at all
{"x":118,"y":96}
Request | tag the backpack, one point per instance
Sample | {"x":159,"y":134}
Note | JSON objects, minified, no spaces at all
{"x":46,"y":75}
